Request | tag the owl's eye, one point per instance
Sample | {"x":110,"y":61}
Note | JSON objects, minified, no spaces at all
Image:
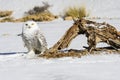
{"x":26,"y":24}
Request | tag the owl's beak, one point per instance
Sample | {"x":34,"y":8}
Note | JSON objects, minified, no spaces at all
{"x":29,"y":27}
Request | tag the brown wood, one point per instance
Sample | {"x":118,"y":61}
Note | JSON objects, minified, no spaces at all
{"x":95,"y":33}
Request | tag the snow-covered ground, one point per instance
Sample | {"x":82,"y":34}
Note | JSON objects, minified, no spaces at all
{"x":102,"y":67}
{"x":14,"y":66}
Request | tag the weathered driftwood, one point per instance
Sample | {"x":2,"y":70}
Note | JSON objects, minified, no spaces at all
{"x":95,"y":33}
{"x":79,"y":53}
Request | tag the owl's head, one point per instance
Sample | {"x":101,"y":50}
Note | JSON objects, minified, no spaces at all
{"x":30,"y":25}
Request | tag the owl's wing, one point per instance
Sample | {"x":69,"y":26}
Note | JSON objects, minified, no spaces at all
{"x":41,"y":38}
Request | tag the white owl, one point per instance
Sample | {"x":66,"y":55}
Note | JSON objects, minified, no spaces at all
{"x":33,"y":39}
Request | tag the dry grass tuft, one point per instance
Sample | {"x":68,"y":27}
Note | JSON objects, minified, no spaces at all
{"x":38,"y":9}
{"x":5,"y":13}
{"x":38,"y":13}
{"x":7,"y":19}
{"x":45,"y":16}
{"x":76,"y":12}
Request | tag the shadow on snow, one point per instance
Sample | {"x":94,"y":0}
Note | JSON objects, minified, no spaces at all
{"x":11,"y":53}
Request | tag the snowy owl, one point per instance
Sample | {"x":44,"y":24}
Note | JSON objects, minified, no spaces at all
{"x":33,"y":39}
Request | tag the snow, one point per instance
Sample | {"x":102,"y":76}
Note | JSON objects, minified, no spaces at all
{"x":15,"y":66}
{"x":99,"y":68}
